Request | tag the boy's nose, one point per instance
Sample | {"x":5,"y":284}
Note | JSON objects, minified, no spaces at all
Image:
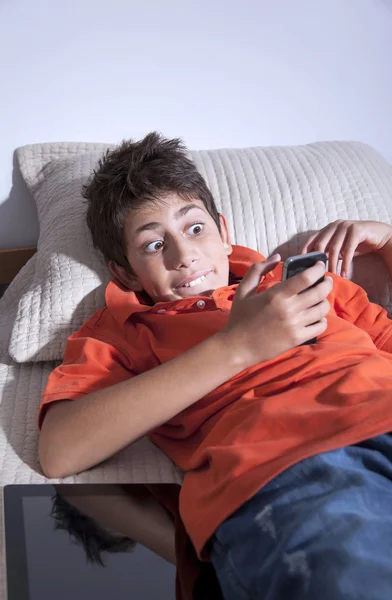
{"x":183,"y":255}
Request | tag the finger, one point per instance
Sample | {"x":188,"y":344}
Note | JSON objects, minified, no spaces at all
{"x":324,"y":238}
{"x":315,"y":313}
{"x":313,"y":331}
{"x":352,"y":243}
{"x":315,"y":295}
{"x":251,"y":281}
{"x":299,"y":283}
{"x":308,"y":245}
{"x":316,"y":241}
{"x":335,"y":248}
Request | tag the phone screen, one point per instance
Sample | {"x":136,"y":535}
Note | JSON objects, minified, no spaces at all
{"x":297,"y":264}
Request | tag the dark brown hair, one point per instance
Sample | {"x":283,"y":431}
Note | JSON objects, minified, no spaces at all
{"x":131,"y":175}
{"x":86,"y":532}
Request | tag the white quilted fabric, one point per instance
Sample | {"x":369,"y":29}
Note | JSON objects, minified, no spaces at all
{"x":270,"y":197}
{"x":70,"y":277}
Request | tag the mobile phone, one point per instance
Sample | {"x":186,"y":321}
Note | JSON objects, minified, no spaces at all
{"x":297,"y":264}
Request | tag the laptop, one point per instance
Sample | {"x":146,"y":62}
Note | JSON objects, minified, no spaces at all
{"x":57,"y":547}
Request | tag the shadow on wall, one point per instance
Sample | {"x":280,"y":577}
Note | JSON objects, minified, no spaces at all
{"x":18,"y":214}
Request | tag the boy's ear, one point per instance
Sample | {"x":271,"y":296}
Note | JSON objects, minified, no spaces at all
{"x":128,"y":280}
{"x":225,"y":235}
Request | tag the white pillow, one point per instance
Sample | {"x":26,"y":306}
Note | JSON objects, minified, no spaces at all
{"x":269,"y":195}
{"x":70,"y":276}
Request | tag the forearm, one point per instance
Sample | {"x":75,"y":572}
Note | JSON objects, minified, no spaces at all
{"x":386,"y":255}
{"x":79,"y":434}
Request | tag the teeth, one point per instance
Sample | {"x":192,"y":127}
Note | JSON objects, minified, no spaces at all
{"x":194,"y":282}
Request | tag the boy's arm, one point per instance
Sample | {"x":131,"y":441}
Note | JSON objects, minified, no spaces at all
{"x":352,"y":304}
{"x":346,"y":239}
{"x":79,"y":434}
{"x":386,"y":255}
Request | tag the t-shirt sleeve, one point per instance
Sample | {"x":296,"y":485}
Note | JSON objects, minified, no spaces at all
{"x":89,"y":365}
{"x":351,"y":303}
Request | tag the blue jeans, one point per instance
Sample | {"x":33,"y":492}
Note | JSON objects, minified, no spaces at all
{"x":321,"y":530}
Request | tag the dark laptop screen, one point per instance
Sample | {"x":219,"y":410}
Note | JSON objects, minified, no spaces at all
{"x":45,"y":563}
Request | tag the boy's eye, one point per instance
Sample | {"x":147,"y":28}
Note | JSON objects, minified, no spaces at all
{"x":196,"y":229}
{"x":154,"y":246}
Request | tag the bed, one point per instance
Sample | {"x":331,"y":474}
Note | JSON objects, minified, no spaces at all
{"x":271,"y":197}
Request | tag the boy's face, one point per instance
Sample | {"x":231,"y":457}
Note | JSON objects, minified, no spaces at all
{"x":175,"y":250}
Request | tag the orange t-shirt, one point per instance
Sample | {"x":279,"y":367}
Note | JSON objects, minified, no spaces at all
{"x":308,"y":400}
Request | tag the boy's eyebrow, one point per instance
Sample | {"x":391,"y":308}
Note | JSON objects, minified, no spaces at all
{"x":180,"y":213}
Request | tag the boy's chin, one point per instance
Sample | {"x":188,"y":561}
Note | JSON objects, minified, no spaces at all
{"x":191,"y":292}
{"x":184,"y":293}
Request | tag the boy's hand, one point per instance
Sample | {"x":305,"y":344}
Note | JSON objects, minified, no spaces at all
{"x":262,"y":326}
{"x":346,"y":239}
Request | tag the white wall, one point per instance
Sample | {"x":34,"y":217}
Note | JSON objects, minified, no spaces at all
{"x":216,"y":72}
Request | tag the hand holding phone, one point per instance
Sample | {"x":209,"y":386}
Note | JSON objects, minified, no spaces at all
{"x":263,"y":325}
{"x":296,"y":264}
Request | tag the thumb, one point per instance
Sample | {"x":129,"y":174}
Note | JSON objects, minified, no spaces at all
{"x":251,"y":281}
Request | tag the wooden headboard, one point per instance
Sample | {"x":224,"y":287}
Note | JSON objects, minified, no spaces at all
{"x":11,"y":262}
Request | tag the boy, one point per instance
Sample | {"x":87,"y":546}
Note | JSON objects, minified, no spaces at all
{"x":288,"y":465}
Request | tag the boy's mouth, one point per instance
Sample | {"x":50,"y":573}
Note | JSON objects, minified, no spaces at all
{"x":193,"y":280}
